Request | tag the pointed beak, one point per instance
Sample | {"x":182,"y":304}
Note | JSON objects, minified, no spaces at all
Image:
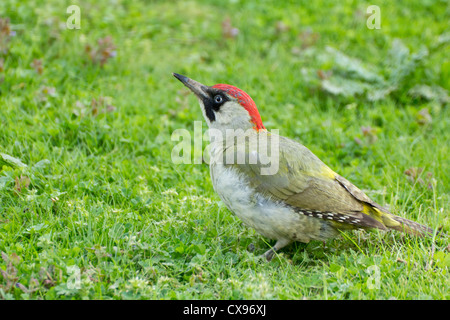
{"x":199,"y":89}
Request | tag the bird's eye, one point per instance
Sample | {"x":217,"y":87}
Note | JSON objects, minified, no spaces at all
{"x":218,"y":99}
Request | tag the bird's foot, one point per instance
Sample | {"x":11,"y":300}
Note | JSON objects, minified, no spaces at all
{"x":268,"y":255}
{"x":281,"y":243}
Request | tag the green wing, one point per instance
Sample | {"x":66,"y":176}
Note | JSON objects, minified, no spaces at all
{"x":306,"y":184}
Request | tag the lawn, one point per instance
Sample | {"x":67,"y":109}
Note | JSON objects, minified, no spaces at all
{"x":93,"y":207}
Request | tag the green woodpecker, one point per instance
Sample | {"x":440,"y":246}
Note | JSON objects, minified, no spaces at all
{"x":303,"y":199}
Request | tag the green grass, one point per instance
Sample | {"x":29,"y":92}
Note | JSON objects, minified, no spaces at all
{"x":101,"y":212}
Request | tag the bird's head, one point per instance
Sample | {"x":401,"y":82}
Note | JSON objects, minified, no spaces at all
{"x":225,"y":106}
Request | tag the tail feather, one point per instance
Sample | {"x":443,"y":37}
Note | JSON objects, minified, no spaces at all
{"x":408,"y":226}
